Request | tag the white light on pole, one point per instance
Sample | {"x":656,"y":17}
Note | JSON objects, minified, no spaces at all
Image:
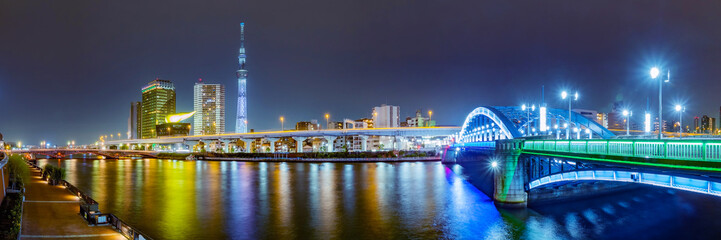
{"x":588,"y":131}
{"x":627,"y":114}
{"x":680,"y":109}
{"x":564,"y":94}
{"x":542,"y":118}
{"x":654,"y":74}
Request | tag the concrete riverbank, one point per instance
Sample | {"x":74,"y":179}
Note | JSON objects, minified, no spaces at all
{"x":52,"y":212}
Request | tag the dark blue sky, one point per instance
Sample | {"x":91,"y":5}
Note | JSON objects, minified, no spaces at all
{"x":69,"y":69}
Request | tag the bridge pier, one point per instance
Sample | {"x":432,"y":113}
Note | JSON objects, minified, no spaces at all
{"x":509,"y":175}
{"x":299,"y":143}
{"x":272,"y":142}
{"x":364,"y":143}
{"x":330,"y":141}
{"x":247,"y":142}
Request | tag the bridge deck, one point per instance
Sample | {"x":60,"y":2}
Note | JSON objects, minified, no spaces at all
{"x":693,"y":155}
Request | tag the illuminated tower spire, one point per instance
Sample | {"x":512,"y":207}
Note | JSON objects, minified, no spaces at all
{"x":241,"y":122}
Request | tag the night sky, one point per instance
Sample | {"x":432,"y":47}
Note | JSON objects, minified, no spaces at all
{"x":69,"y":69}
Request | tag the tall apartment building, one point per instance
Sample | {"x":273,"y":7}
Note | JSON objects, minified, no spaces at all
{"x":705,"y":121}
{"x":134,"y":121}
{"x":386,"y":116}
{"x":158,"y":102}
{"x":209,"y":107}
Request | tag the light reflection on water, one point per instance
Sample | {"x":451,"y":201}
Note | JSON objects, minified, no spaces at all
{"x":170,"y":199}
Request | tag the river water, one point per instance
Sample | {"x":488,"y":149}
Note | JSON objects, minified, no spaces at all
{"x":173,"y":199}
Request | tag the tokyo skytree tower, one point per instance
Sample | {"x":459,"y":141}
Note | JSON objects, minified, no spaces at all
{"x":241,"y":121}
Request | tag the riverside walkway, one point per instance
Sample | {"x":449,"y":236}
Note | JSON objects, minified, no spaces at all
{"x":52,"y":212}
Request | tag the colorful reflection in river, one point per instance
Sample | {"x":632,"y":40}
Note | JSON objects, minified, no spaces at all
{"x":170,"y":199}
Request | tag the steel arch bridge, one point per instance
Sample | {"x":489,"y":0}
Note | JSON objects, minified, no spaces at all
{"x":523,"y":156}
{"x":485,"y":124}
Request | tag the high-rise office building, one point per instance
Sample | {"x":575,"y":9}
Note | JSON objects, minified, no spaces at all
{"x":241,"y":121}
{"x":706,"y":124}
{"x":134,"y":121}
{"x":209,"y":107}
{"x":712,"y":124}
{"x":695,"y":125}
{"x":158,"y":102}
{"x":386,"y":116}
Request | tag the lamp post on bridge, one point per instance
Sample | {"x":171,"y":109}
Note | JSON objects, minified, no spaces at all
{"x":680,"y":109}
{"x":626,"y":114}
{"x":528,"y":116}
{"x":654,"y":73}
{"x":282,"y":120}
{"x":564,"y":95}
{"x":326,"y":120}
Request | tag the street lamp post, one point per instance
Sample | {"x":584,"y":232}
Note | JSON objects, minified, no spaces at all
{"x":680,"y":109}
{"x":626,"y":114}
{"x":528,"y":116}
{"x":326,"y":121}
{"x":654,"y":73}
{"x":282,"y":127}
{"x":564,"y":95}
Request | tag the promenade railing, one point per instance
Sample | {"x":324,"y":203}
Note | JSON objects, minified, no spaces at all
{"x":90,"y":211}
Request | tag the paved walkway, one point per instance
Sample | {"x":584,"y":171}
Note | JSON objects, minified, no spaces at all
{"x":52,"y":212}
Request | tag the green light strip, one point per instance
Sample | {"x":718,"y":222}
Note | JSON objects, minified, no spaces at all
{"x":148,"y":88}
{"x":632,"y":163}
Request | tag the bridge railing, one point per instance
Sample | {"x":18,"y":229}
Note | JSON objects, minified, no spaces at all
{"x":486,"y":144}
{"x":701,"y":185}
{"x":703,"y":150}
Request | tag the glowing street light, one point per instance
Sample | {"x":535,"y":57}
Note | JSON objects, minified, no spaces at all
{"x":627,"y":114}
{"x":654,"y":74}
{"x":494,"y":164}
{"x":680,"y":109}
{"x":588,"y":131}
{"x":565,"y":95}
{"x":430,"y":115}
{"x":282,"y":120}
{"x":528,"y":116}
{"x":327,"y":116}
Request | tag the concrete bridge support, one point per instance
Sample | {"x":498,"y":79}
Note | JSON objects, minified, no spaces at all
{"x":330,"y":141}
{"x":272,"y":143}
{"x":364,"y":143}
{"x":189,"y":144}
{"x":510,"y":175}
{"x":247,"y":143}
{"x":225,"y":145}
{"x":299,"y":143}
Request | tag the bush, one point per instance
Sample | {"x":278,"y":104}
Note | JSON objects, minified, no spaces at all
{"x":18,"y":170}
{"x":53,"y":174}
{"x":11,"y":214}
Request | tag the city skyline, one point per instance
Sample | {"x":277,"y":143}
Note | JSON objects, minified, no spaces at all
{"x":313,"y":56}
